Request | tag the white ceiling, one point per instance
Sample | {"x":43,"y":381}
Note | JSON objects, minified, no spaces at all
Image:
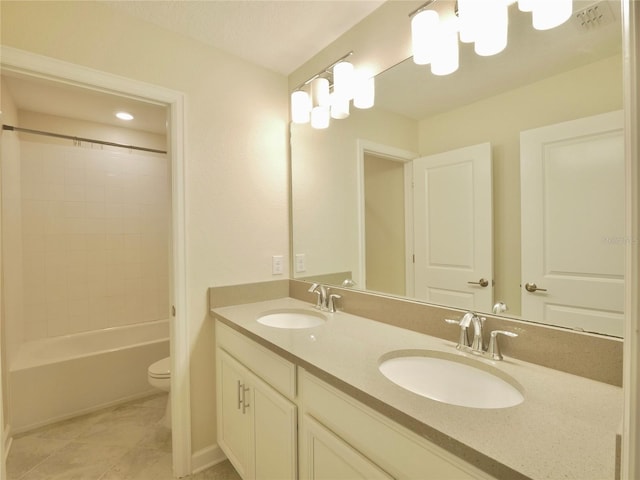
{"x":280,"y":35}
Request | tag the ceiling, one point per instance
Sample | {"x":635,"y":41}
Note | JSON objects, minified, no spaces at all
{"x":279,"y":35}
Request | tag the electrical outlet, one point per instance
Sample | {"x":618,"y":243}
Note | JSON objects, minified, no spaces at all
{"x":301,"y":262}
{"x":277,"y":262}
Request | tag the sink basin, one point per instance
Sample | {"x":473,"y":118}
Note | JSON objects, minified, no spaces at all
{"x":451,"y":379}
{"x":292,"y":318}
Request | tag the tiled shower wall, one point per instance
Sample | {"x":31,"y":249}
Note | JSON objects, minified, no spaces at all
{"x":96,"y":230}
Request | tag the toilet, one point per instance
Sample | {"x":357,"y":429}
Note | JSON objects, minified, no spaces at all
{"x":159,"y":376}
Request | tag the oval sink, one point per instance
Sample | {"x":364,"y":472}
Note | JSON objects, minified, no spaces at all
{"x":292,"y":318}
{"x":451,"y":379}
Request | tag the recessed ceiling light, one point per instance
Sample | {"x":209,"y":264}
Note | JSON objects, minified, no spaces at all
{"x":124,"y":116}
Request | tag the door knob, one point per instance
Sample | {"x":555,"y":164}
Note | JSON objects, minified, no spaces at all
{"x":483,"y":282}
{"x":532,"y":287}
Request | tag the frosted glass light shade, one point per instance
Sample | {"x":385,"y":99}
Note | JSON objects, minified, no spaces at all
{"x":320,"y":117}
{"x":467,"y":12}
{"x":547,"y":14}
{"x":446,"y":57}
{"x":493,"y":27}
{"x":343,"y":80}
{"x":320,"y":92}
{"x":365,"y":92}
{"x":300,"y":107}
{"x":339,"y":107}
{"x":526,"y":5}
{"x":424,"y":26}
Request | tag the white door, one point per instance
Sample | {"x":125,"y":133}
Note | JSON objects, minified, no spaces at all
{"x":453,"y":228}
{"x":573,"y":227}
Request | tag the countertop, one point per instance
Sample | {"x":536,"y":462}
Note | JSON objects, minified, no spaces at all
{"x":565,"y":428}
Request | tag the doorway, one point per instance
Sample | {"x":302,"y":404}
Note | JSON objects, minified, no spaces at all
{"x":73,"y":76}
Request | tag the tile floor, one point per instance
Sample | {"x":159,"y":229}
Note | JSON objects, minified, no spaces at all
{"x":125,"y":442}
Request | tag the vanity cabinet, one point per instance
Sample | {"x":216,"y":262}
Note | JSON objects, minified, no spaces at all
{"x":257,"y":425}
{"x":278,"y":421}
{"x":342,"y":438}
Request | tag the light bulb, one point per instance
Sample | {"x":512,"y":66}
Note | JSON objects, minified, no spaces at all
{"x":320,"y":117}
{"x":365,"y":91}
{"x":300,"y":107}
{"x":124,"y":116}
{"x":446,"y":57}
{"x":320,"y":92}
{"x":493,"y":27}
{"x":424,"y":26}
{"x":339,"y":107}
{"x":547,"y":15}
{"x":343,"y":80}
{"x":467,"y":12}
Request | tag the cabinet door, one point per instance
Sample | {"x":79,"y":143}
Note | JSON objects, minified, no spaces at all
{"x":234,"y":422}
{"x":275,"y":433}
{"x":325,"y":456}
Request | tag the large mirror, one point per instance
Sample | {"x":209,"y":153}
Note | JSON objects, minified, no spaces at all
{"x":360,"y":201}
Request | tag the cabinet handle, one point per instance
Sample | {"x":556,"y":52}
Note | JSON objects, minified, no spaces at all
{"x":245,"y":404}
{"x":240,"y":386}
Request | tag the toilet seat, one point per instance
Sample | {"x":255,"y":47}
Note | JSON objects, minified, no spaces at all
{"x":160,"y":369}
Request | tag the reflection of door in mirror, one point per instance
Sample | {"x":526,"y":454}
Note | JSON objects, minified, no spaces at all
{"x":453,"y":228}
{"x":573,"y":224}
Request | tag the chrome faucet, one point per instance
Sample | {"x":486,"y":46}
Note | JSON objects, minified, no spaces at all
{"x":477,"y":345}
{"x":324,"y":300}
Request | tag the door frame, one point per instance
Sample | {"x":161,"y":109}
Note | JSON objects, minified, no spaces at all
{"x":35,"y":65}
{"x":397,"y":155}
{"x":630,"y":467}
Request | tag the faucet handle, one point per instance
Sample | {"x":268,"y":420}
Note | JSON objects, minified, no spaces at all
{"x":333,"y":298}
{"x":494,"y":348}
{"x":314,"y":289}
{"x":463,"y":339}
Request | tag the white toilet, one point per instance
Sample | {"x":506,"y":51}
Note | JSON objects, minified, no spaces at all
{"x":159,"y":376}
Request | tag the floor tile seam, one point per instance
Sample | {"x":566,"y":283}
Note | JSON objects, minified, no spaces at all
{"x":51,"y":454}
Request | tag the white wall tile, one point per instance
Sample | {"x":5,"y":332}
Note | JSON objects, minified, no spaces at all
{"x":96,"y":235}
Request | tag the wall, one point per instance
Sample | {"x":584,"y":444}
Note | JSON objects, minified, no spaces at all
{"x":499,"y":120}
{"x":96,"y":230}
{"x":325,"y":206}
{"x":11,"y":310}
{"x":384,"y":225}
{"x":235,"y":153}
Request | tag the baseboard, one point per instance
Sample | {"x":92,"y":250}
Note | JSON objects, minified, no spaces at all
{"x":206,"y":457}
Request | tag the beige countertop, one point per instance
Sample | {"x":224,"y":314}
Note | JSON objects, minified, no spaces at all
{"x":565,"y":428}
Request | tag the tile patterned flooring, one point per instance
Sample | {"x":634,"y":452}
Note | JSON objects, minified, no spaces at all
{"x":125,"y":442}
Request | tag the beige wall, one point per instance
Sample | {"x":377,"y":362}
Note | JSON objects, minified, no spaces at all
{"x":236,"y":157}
{"x":588,"y":90}
{"x":324,"y":195}
{"x":384,"y":224}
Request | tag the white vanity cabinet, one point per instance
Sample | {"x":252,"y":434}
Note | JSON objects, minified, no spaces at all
{"x":342,"y":438}
{"x":257,"y":425}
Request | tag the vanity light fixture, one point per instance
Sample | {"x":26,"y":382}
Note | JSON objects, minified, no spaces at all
{"x":328,"y":94}
{"x":437,"y":26}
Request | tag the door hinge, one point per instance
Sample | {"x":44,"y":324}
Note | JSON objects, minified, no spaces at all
{"x":173,"y":310}
{"x":413,"y":258}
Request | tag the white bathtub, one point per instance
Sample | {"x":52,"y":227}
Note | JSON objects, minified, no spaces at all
{"x":62,"y":377}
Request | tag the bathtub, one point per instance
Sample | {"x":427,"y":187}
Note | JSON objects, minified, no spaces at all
{"x":62,"y":377}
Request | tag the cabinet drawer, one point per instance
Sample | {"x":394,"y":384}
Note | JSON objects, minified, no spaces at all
{"x":397,"y":450}
{"x":273,"y":369}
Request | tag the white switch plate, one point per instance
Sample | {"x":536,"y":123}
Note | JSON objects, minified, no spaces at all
{"x":301,"y":262}
{"x":277,"y":262}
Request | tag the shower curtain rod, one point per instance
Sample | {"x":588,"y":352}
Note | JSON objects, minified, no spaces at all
{"x":80,"y":139}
